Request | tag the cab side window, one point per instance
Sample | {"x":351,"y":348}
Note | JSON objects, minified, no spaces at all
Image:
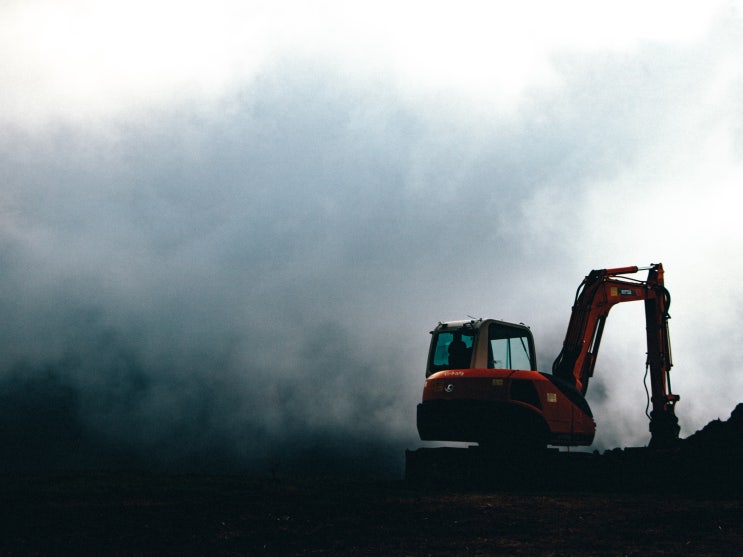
{"x":508,"y":348}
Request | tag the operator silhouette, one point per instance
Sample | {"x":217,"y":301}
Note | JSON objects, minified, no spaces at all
{"x":459,"y":354}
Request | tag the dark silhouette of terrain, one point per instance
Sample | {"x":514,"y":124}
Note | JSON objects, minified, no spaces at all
{"x":629,"y":502}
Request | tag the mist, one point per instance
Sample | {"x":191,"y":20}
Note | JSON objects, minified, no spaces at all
{"x":244,"y":278}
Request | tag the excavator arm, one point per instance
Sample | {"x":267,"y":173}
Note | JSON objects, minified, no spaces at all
{"x":596,"y":295}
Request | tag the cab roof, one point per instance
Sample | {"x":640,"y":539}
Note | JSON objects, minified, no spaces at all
{"x":473,"y":324}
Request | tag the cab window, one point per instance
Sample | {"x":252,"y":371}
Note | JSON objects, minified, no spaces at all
{"x":508,"y":348}
{"x":452,"y":350}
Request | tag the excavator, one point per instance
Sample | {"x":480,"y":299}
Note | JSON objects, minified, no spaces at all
{"x":482,"y":384}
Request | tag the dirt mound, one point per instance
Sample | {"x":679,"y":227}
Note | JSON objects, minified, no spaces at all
{"x":707,"y":462}
{"x":718,"y":435}
{"x":710,"y":460}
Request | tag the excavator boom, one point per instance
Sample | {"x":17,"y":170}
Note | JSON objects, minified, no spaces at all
{"x":597,"y":294}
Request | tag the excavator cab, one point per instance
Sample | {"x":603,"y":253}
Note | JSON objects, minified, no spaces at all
{"x":483,"y":385}
{"x":457,"y":345}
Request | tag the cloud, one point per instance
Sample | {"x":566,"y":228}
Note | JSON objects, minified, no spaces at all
{"x":246,"y":276}
{"x":87,"y":60}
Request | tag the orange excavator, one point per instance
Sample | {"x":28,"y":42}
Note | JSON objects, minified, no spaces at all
{"x":482,"y":383}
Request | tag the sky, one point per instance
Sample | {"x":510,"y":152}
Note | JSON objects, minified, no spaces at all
{"x":227,"y":228}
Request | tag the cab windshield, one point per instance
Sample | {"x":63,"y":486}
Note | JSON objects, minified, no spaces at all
{"x":453,"y":350}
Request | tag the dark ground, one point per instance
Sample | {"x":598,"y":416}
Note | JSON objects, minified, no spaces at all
{"x":688,"y":501}
{"x":130,"y":514}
